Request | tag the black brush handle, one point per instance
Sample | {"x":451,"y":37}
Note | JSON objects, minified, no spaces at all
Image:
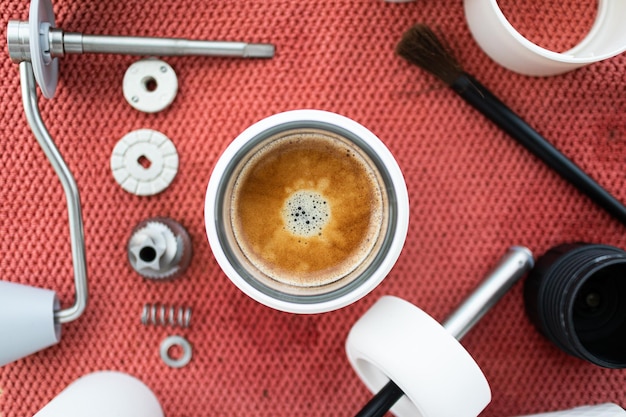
{"x":382,"y":401}
{"x":490,"y":106}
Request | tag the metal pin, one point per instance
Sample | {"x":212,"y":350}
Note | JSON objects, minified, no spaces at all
{"x":138,"y":45}
{"x":60,"y":43}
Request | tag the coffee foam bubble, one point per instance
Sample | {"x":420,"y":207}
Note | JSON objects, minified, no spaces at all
{"x":305,"y":213}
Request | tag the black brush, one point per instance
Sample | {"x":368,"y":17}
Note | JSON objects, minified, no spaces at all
{"x":421,"y":46}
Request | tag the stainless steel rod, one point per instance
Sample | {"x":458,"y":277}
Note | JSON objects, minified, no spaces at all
{"x":77,"y":239}
{"x":514,"y":264}
{"x":60,"y":43}
{"x":138,"y":45}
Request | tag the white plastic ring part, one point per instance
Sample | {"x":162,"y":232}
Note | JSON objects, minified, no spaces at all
{"x":600,"y":410}
{"x":497,"y":37}
{"x":396,"y":340}
{"x":45,"y":68}
{"x":170,"y":342}
{"x":150,"y":85}
{"x":144,"y":162}
{"x":104,"y":394}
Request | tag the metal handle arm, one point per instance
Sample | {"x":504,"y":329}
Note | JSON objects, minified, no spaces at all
{"x":29,"y":99}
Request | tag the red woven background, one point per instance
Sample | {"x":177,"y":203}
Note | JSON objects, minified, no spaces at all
{"x":473,"y":190}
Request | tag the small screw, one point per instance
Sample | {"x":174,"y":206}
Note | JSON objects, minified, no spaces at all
{"x":135,"y":99}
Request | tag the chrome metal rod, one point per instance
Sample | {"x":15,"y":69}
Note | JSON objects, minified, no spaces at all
{"x":136,"y":45}
{"x":513,"y":265}
{"x":60,"y":43}
{"x":77,"y":239}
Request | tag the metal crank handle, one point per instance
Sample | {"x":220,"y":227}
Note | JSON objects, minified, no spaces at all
{"x":75,"y":218}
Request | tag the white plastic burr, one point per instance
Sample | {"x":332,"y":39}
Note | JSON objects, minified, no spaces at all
{"x":160,"y":155}
{"x":104,"y":394}
{"x":28,"y":325}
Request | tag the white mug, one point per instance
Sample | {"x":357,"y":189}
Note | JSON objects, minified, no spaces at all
{"x":306,"y":211}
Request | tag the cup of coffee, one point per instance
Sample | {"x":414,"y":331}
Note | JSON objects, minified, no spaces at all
{"x":306,"y":211}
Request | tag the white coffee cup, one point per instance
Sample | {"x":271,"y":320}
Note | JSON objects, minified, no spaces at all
{"x":242,"y":204}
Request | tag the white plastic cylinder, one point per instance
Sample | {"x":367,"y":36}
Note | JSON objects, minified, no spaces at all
{"x":27,"y":322}
{"x":600,"y":410}
{"x":396,"y":340}
{"x":505,"y":45}
{"x":104,"y":394}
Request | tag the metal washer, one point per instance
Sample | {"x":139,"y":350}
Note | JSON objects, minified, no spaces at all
{"x":180,"y":341}
{"x":150,"y":85}
{"x":144,"y":162}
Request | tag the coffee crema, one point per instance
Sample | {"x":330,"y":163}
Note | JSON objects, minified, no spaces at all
{"x":307,"y":208}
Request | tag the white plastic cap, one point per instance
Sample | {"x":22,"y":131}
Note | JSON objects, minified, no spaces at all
{"x":27,"y":321}
{"x":104,"y":394}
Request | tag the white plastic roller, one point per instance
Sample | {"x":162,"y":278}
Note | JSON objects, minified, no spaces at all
{"x":417,"y":365}
{"x":397,"y":340}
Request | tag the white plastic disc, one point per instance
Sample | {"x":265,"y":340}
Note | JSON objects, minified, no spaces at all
{"x":150,"y":85}
{"x":45,"y":68}
{"x":144,"y":162}
{"x":398,"y":341}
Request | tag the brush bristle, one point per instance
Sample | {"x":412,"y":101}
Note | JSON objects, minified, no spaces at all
{"x":421,"y":46}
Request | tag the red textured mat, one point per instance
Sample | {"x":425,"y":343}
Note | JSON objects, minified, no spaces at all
{"x":473,"y":190}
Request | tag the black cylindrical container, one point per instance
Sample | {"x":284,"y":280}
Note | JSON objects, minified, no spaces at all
{"x":576,"y":296}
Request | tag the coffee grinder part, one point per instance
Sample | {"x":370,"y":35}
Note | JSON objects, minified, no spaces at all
{"x":401,"y":349}
{"x":150,"y":85}
{"x":104,"y":394}
{"x":163,"y":315}
{"x":576,"y":298}
{"x":40,"y":42}
{"x":175,"y":341}
{"x":598,"y":410}
{"x":35,"y":45}
{"x":159,"y":248}
{"x":144,"y":162}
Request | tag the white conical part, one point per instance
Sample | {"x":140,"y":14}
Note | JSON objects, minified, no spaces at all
{"x":27,"y":323}
{"x":104,"y":394}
